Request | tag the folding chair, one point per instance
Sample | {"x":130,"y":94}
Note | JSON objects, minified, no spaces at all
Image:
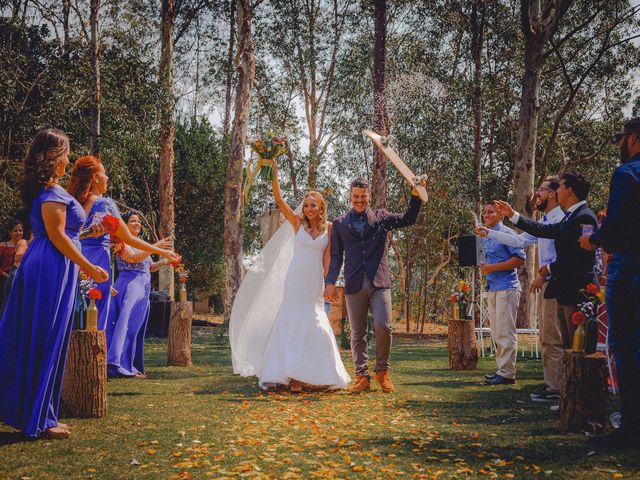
{"x":603,"y":332}
{"x":482,"y":330}
{"x":532,"y":333}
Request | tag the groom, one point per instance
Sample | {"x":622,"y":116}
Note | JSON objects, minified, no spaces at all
{"x":360,"y":237}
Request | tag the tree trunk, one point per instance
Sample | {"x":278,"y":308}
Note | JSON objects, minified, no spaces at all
{"x":269,"y":222}
{"x":66,"y":9}
{"x":228,"y":92}
{"x":462,"y":345}
{"x":179,"y":348}
{"x":95,"y":66}
{"x":167,"y":135}
{"x":84,"y":387}
{"x":478,"y":21}
{"x":537,"y":27}
{"x":524,"y":168}
{"x":584,"y":398}
{"x":380,"y":114}
{"x":233,"y":211}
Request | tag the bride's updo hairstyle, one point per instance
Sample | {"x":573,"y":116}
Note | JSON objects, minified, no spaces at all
{"x":322,"y":221}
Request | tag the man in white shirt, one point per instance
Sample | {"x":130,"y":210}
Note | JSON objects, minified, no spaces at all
{"x":552,"y":347}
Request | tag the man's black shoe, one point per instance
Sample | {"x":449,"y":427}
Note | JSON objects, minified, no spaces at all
{"x":617,"y":440}
{"x":500,"y":380}
{"x":545,"y":396}
{"x":489,"y":376}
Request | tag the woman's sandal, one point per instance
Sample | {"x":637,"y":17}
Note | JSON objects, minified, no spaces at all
{"x":56,"y":433}
{"x":139,"y":375}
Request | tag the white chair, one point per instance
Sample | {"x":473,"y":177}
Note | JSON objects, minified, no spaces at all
{"x":532,"y":333}
{"x":604,"y":347}
{"x":482,"y":330}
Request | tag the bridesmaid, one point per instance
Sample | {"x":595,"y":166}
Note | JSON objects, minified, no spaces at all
{"x":127,"y":321}
{"x":7,"y":251}
{"x":87,"y":184}
{"x":36,"y":325}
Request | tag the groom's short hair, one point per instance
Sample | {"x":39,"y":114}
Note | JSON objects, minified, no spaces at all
{"x":360,"y":183}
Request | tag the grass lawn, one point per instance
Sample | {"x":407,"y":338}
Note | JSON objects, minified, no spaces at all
{"x":204,"y":422}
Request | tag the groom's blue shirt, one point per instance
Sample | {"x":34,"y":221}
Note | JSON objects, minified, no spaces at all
{"x":364,"y":250}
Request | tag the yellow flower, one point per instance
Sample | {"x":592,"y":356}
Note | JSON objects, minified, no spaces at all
{"x":600,"y":295}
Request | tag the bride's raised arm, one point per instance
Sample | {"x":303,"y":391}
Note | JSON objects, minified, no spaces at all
{"x":282,"y":205}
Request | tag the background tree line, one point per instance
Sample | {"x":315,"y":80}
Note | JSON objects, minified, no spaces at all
{"x":486,"y":97}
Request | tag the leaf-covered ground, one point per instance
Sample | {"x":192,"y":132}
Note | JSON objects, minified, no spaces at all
{"x":204,"y":422}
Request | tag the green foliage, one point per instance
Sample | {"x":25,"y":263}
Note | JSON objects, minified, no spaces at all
{"x":200,"y":161}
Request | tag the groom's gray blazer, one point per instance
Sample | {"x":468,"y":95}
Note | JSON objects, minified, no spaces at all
{"x":366,"y":253}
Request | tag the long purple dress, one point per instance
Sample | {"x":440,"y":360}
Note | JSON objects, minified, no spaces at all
{"x":96,"y":249}
{"x":36,"y":325}
{"x":127,"y":319}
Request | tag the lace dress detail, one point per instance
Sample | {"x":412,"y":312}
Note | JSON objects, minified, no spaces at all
{"x":141,"y":267}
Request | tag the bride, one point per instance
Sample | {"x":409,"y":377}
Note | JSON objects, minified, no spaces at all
{"x":279,"y":330}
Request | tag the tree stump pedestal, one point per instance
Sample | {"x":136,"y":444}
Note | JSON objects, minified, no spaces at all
{"x":462,"y":345}
{"x":179,"y":351}
{"x":584,"y":397}
{"x":84,"y":387}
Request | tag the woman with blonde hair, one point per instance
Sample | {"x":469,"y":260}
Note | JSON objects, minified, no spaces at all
{"x":279,"y":330}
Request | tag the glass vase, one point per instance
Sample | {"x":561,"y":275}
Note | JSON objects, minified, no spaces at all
{"x":578,"y":339}
{"x":183,"y":292}
{"x":91,"y":316}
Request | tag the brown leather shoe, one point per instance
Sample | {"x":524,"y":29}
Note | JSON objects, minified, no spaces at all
{"x":295,"y":386}
{"x":362,"y":384}
{"x":382,"y":377}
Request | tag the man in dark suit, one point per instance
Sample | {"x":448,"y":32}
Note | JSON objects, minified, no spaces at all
{"x":573,"y":268}
{"x":620,"y":235}
{"x":359,"y":237}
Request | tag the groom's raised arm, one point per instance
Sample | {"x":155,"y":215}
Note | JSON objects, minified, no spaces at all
{"x":400,"y":220}
{"x":337,"y":255}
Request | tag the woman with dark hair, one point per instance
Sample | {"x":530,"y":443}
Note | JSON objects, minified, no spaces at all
{"x":87,"y":184}
{"x":36,"y":325}
{"x":129,"y":310}
{"x":7,"y":251}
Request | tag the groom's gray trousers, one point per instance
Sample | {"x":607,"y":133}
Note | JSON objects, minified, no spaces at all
{"x":378,"y":300}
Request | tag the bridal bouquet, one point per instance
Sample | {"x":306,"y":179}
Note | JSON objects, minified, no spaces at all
{"x":268,"y":150}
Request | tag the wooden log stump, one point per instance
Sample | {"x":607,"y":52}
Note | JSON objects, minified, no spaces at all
{"x":584,"y":397}
{"x":179,"y":351}
{"x":84,"y":387}
{"x":462,"y":345}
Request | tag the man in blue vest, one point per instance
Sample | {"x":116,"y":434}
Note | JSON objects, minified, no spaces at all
{"x":619,"y":235}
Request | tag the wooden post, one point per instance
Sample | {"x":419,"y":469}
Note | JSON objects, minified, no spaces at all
{"x":462,"y":345}
{"x":84,"y":387}
{"x":584,"y":397}
{"x":179,"y":351}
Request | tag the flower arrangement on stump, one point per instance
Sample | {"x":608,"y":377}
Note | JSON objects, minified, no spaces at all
{"x":91,"y":317}
{"x":183,"y":276}
{"x":585,"y":338}
{"x":458,"y":301}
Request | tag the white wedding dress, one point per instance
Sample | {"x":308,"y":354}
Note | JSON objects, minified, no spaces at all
{"x":279,"y":330}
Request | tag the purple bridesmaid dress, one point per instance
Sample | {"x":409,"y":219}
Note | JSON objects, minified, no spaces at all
{"x":96,"y":249}
{"x":36,"y":325}
{"x":127,"y":319}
